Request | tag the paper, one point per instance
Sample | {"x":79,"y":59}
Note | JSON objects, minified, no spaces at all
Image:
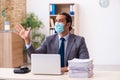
{"x":80,"y":68}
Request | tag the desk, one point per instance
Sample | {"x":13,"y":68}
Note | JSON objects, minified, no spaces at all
{"x":7,"y":74}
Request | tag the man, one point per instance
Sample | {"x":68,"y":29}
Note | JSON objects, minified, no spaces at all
{"x":73,"y":46}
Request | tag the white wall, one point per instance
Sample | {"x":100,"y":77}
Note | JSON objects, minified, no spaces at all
{"x":100,"y":26}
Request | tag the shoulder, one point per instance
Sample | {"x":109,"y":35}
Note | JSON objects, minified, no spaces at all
{"x":76,"y":37}
{"x":52,"y":37}
{"x":78,"y":40}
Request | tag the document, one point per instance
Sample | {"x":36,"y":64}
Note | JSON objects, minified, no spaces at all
{"x":80,"y":68}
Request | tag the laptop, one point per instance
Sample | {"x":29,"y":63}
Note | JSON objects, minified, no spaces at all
{"x":45,"y":64}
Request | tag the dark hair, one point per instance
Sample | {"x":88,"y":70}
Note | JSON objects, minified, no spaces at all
{"x":68,"y":19}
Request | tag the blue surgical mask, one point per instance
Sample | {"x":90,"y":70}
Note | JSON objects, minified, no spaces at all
{"x":59,"y":27}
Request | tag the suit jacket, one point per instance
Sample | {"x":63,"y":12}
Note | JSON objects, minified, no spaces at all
{"x":76,"y":47}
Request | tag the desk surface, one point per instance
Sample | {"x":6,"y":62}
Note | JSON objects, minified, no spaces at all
{"x":7,"y":73}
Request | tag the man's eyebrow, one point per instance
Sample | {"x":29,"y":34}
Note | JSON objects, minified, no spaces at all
{"x":62,"y":19}
{"x":59,"y":19}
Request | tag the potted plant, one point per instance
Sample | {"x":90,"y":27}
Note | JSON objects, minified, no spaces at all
{"x":37,"y":38}
{"x":32,"y":21}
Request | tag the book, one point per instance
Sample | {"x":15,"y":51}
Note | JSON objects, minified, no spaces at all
{"x":72,"y":11}
{"x":52,"y":23}
{"x":52,"y":31}
{"x":52,"y":9}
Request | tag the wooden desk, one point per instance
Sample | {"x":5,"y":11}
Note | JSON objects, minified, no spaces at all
{"x":7,"y":74}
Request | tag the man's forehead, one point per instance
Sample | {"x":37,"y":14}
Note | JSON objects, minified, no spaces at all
{"x":60,"y":17}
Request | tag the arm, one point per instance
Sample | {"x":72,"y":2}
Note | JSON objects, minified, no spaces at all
{"x":25,"y":34}
{"x":83,"y":51}
{"x":41,"y":49}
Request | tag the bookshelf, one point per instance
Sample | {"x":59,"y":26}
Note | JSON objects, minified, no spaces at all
{"x":71,"y":8}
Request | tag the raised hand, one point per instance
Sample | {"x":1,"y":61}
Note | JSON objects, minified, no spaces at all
{"x":25,"y":34}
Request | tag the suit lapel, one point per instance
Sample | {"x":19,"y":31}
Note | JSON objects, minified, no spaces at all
{"x":69,"y":45}
{"x":56,"y":44}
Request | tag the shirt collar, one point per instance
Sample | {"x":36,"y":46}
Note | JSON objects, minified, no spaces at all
{"x":65,"y":37}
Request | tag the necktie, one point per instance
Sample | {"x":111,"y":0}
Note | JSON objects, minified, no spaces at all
{"x":61,"y":51}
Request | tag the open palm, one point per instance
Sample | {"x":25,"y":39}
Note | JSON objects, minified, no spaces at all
{"x":25,"y":34}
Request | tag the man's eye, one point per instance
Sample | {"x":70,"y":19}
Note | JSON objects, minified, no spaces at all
{"x":61,"y":21}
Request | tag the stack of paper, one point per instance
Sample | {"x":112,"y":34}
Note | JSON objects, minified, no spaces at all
{"x":80,"y":68}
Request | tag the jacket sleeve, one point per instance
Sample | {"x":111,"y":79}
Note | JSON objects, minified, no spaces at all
{"x":41,"y":49}
{"x":83,"y":51}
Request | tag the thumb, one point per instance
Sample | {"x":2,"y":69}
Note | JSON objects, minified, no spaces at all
{"x":29,"y":29}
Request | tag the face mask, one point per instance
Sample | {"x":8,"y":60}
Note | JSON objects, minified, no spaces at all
{"x":59,"y":27}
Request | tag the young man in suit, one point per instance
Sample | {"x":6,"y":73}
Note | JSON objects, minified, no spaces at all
{"x":74,"y":46}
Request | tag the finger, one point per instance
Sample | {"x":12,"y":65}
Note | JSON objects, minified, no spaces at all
{"x":21,"y":27}
{"x":17,"y":28}
{"x":29,"y":29}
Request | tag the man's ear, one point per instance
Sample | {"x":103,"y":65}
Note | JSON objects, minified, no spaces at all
{"x":68,"y":24}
